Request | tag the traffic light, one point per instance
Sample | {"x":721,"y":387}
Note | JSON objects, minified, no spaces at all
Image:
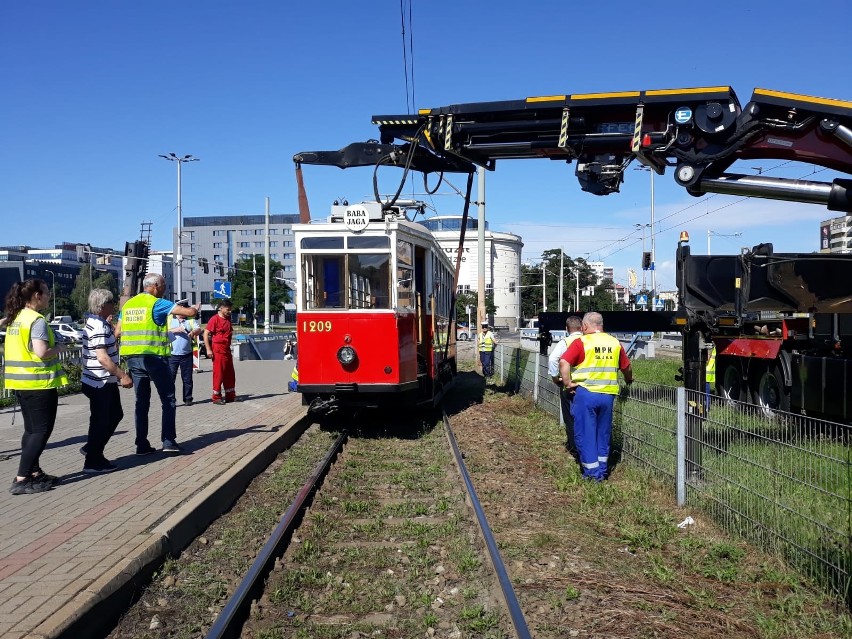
{"x":220,"y":268}
{"x":202,"y":261}
{"x":646,"y":260}
{"x":141,"y":253}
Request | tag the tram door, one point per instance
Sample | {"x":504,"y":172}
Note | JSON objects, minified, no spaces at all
{"x":422,"y":305}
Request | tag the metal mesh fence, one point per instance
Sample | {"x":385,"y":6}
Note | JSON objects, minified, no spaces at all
{"x":781,"y":481}
{"x":644,"y":428}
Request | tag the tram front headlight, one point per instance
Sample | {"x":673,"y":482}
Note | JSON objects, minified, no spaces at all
{"x":346,"y":355}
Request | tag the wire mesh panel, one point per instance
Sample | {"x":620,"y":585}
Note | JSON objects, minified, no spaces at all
{"x":779,"y":480}
{"x":548,"y":392}
{"x":644,"y":427}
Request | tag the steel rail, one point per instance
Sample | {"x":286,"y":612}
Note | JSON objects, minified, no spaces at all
{"x":228,"y":623}
{"x":511,"y":600}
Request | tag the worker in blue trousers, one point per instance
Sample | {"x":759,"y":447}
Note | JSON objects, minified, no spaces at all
{"x":590,"y":366}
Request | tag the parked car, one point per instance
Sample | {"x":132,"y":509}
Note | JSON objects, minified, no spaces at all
{"x":463,"y":334}
{"x":67,"y":330}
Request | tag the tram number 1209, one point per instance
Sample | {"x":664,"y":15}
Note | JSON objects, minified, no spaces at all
{"x":314,"y":326}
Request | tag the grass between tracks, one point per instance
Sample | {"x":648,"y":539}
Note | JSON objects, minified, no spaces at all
{"x":704,"y":569}
{"x":187,"y":593}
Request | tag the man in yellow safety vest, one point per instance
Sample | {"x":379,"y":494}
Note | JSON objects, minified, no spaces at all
{"x":145,"y":343}
{"x":590,"y":366}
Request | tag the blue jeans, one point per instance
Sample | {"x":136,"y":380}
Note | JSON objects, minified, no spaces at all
{"x":487,"y":360}
{"x":145,"y":369}
{"x":184,"y":363}
{"x":592,"y":431}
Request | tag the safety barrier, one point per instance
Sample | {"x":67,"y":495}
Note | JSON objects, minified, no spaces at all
{"x":779,"y":480}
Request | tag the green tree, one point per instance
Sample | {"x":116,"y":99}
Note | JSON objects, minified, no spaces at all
{"x":79,"y":298}
{"x":242,"y":286}
{"x":470,"y":298}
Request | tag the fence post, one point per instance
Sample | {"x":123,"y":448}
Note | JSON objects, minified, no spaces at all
{"x":680,"y":472}
{"x":502,"y":359}
{"x":535,"y":378}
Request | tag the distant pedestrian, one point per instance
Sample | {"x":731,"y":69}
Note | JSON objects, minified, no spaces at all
{"x":573,"y":328}
{"x":217,"y":338}
{"x":33,"y":371}
{"x":590,"y":366}
{"x":487,"y":342}
{"x":182,"y":334}
{"x":100,"y":379}
{"x":290,"y":349}
{"x":145,"y":344}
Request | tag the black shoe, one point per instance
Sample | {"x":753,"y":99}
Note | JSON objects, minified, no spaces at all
{"x":187,"y":402}
{"x":220,"y":402}
{"x":84,"y":449}
{"x":42,"y":477}
{"x":145,"y":450}
{"x":102,"y":465}
{"x":28,"y":487}
{"x":171,"y":447}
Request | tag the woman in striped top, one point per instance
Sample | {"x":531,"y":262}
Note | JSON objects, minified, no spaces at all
{"x":101,"y":377}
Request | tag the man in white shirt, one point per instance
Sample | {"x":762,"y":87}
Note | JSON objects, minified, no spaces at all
{"x":574,"y":328}
{"x":182,"y":334}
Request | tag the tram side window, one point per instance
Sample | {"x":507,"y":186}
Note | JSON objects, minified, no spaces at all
{"x":324,"y":281}
{"x":405,"y":274}
{"x":369,"y":280}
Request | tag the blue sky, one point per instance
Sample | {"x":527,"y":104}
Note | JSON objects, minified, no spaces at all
{"x":94,"y":91}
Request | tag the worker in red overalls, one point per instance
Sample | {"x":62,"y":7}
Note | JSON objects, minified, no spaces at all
{"x":217,"y":339}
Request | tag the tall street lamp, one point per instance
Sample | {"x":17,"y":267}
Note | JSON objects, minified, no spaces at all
{"x":178,"y":254}
{"x":643,"y":227}
{"x":52,"y":290}
{"x":653,"y":252}
{"x":254,"y":287}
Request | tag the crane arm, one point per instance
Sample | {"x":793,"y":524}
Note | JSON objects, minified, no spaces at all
{"x":699,"y":132}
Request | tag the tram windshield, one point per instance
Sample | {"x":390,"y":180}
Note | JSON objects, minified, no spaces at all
{"x":347,"y":281}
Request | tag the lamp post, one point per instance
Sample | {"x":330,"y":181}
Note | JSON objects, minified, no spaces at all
{"x":643,"y":227}
{"x":52,"y":290}
{"x":653,"y":243}
{"x":178,"y":255}
{"x":254,"y":288}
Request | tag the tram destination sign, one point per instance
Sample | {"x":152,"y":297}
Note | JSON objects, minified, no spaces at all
{"x":356,"y":218}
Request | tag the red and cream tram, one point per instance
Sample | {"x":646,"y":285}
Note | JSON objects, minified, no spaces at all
{"x":374,"y":305}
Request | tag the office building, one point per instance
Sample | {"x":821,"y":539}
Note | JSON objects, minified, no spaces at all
{"x":502,"y":263}
{"x":225,"y":240}
{"x":835,"y":235}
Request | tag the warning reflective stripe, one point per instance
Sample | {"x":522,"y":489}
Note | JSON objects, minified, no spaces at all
{"x":31,"y":376}
{"x":152,"y":333}
{"x":44,"y":362}
{"x":603,"y":460}
{"x":592,"y":465}
{"x":597,"y":382}
{"x":600,"y":369}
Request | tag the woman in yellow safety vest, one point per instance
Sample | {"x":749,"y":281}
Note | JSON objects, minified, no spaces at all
{"x":32,"y":369}
{"x":487,"y":342}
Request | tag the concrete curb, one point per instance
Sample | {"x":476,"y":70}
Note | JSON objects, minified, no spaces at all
{"x":94,"y":611}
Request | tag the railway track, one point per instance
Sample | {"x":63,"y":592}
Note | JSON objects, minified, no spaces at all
{"x":387,"y":536}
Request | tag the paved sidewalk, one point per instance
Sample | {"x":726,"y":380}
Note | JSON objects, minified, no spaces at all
{"x":64,"y":551}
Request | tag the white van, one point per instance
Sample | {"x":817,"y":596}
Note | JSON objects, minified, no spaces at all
{"x":67,"y":330}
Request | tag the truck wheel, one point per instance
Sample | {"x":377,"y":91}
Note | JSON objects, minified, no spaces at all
{"x":771,"y":395}
{"x":732,"y":387}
